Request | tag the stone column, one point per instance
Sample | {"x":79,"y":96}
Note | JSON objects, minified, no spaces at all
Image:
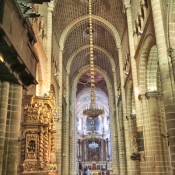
{"x":104,"y":150}
{"x":49,"y":45}
{"x":85,"y":153}
{"x":130,"y":165}
{"x":13,"y":131}
{"x":66,"y":132}
{"x":101,"y":150}
{"x":59,"y":124}
{"x":132,"y":132}
{"x":121,"y":141}
{"x":115,"y":169}
{"x":107,"y":149}
{"x":171,"y":33}
{"x":81,"y":146}
{"x":87,"y":148}
{"x":133,"y":65}
{"x":116,"y":115}
{"x":78,"y":149}
{"x":73,"y":144}
{"x":167,"y":82}
{"x":154,"y":152}
{"x":4,"y":91}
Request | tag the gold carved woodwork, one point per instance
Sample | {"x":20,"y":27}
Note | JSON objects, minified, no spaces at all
{"x":30,"y":167}
{"x":31,"y":146}
{"x":38,"y":131}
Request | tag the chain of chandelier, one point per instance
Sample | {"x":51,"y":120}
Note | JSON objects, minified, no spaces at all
{"x":93,"y":111}
{"x":91,"y":46}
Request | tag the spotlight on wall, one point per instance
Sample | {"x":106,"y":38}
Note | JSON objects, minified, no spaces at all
{"x":1,"y":58}
{"x":55,"y":75}
{"x":126,"y":73}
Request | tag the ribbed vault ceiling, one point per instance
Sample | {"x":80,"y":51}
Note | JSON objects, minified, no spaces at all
{"x":68,"y":11}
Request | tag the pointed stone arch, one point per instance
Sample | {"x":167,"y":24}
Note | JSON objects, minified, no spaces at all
{"x":106,"y":24}
{"x":85,"y":69}
{"x":111,"y":109}
{"x":142,"y":71}
{"x":152,"y":70}
{"x":111,"y":59}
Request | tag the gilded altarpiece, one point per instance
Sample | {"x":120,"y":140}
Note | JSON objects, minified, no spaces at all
{"x":38,"y":135}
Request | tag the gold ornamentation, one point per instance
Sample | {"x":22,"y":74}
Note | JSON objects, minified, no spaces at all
{"x":39,"y":133}
{"x":30,"y":167}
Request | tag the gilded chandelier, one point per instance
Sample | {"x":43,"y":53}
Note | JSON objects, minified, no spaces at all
{"x":92,"y":110}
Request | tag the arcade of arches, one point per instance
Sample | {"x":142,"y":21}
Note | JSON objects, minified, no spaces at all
{"x":45,"y":87}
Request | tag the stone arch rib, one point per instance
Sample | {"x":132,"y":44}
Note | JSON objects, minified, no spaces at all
{"x":85,"y":47}
{"x":106,"y":24}
{"x":148,"y":44}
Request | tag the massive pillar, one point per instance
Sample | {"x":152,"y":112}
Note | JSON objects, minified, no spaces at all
{"x":73,"y":143}
{"x":131,"y":120}
{"x":59,"y":124}
{"x":13,"y":94}
{"x":4,"y":92}
{"x":121,"y":141}
{"x":115,"y":169}
{"x":118,"y":141}
{"x":65,"y":128}
{"x":130,"y":165}
{"x":155,"y":154}
{"x":167,"y":83}
{"x":49,"y":46}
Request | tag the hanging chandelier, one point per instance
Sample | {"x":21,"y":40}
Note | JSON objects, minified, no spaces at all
{"x":93,"y":138}
{"x":92,"y":110}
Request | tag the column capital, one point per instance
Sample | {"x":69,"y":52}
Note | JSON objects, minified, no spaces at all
{"x":126,"y":6}
{"x":118,"y":47}
{"x":153,"y":94}
{"x":50,"y":7}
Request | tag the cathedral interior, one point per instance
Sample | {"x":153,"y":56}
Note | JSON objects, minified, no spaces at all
{"x":87,"y":84}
